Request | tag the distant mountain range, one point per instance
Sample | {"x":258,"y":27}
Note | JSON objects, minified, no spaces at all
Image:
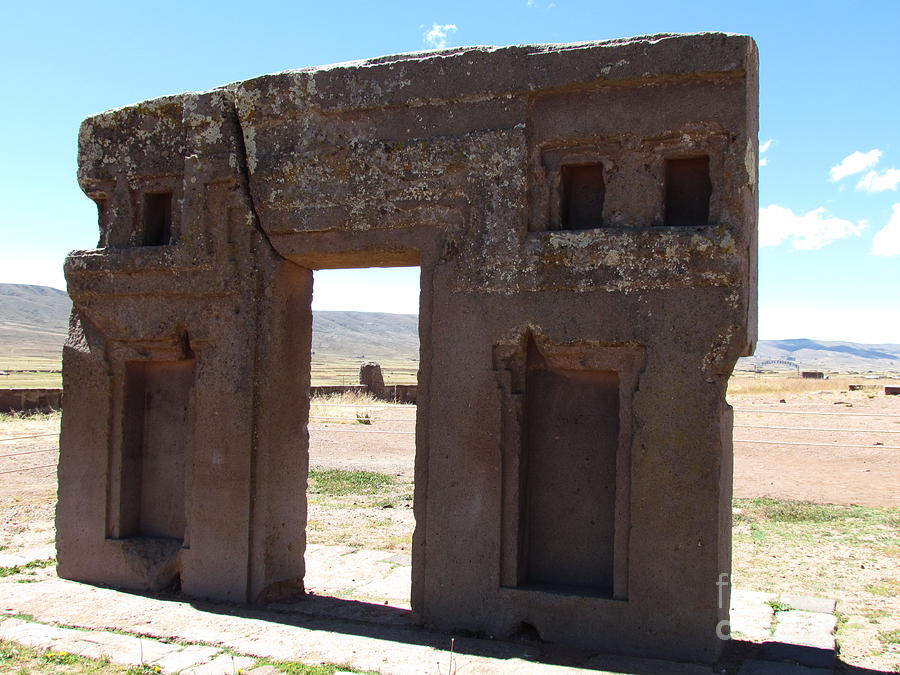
{"x":826,"y":356}
{"x":34,"y":321}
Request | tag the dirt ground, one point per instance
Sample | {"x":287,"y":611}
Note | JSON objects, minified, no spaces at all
{"x":28,"y":498}
{"x":859,"y":475}
{"x":866,"y":475}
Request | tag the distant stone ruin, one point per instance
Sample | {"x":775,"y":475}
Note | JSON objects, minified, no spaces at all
{"x":370,"y":375}
{"x":584,"y":217}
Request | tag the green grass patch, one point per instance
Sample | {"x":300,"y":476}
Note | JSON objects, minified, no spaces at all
{"x":789,"y":511}
{"x":34,"y":564}
{"x":770,"y":520}
{"x":337,"y":482}
{"x":779,"y":606}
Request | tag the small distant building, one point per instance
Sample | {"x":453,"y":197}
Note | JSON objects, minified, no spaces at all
{"x":812,"y":375}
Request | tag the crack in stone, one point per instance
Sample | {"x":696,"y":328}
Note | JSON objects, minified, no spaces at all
{"x":243,"y":168}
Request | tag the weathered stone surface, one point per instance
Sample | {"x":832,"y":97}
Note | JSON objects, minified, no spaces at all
{"x":584,"y":218}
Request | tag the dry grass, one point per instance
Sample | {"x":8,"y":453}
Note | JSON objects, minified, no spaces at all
{"x":850,"y":553}
{"x":366,"y":409}
{"x":30,"y":372}
{"x":750,"y":385}
{"x":361,"y":509}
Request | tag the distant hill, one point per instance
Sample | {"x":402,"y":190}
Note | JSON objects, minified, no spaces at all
{"x":371,"y":335}
{"x":34,"y":320}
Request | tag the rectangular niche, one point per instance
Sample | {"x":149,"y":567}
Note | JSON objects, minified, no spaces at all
{"x":154,"y":448}
{"x":565,"y":465}
{"x":157,"y":219}
{"x":688,"y":190}
{"x":568,"y":190}
{"x":581,"y":195}
{"x":570,"y":447}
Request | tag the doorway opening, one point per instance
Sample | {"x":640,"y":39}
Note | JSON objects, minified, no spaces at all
{"x":362,"y":443}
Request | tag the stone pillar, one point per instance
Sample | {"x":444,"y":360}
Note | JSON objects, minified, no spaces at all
{"x":370,"y":376}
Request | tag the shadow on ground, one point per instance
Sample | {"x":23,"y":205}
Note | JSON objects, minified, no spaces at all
{"x":393,"y":624}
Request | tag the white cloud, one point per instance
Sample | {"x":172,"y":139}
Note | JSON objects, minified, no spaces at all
{"x":879,"y":182}
{"x":806,"y":232}
{"x":887,"y":240}
{"x":763,"y":148}
{"x":854,"y":163}
{"x":436,"y":36}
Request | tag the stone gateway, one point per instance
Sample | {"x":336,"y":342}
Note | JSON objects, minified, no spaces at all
{"x":584,"y":217}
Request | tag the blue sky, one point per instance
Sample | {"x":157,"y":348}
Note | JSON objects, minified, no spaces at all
{"x":830,"y":96}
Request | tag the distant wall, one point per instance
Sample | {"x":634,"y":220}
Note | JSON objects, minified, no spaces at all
{"x":25,"y":400}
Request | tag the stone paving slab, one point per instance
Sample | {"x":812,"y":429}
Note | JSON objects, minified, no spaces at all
{"x":341,"y":569}
{"x":751,"y":616}
{"x":224,"y":664}
{"x":392,"y":588}
{"x":389,"y":650}
{"x":810,"y":629}
{"x":31,"y":634}
{"x":28,"y":555}
{"x":808,"y":603}
{"x":755,"y":667}
{"x":631,"y":664}
{"x":188,"y":657}
{"x":122,"y":649}
{"x":348,"y":610}
{"x":812,"y":657}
